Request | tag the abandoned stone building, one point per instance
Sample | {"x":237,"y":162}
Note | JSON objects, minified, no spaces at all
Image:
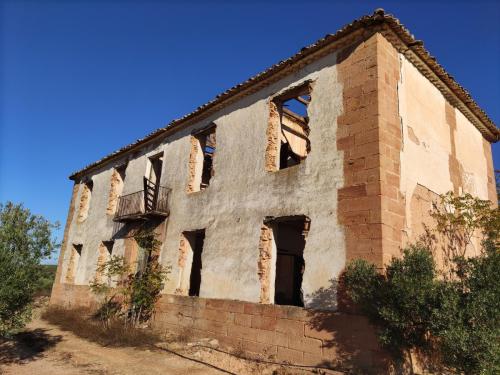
{"x":261,"y":196}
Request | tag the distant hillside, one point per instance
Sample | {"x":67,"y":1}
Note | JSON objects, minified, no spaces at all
{"x":47,"y":279}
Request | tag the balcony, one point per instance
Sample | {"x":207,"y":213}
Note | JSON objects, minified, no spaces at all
{"x":151,"y":202}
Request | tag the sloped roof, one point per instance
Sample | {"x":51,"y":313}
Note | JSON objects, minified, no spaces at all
{"x":379,"y":21}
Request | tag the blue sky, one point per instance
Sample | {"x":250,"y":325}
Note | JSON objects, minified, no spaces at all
{"x":79,"y":79}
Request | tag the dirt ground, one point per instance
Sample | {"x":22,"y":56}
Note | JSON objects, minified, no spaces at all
{"x":45,"y":349}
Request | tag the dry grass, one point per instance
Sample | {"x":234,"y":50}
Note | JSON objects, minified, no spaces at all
{"x":81,"y":322}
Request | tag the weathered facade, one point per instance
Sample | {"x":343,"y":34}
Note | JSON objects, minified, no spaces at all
{"x":262,"y":196}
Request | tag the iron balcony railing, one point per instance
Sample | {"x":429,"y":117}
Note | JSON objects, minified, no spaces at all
{"x":152,"y":201}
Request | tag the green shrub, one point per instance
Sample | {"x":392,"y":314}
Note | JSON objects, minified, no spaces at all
{"x":46,"y":280}
{"x":467,"y":324}
{"x":126,"y":295}
{"x":398,"y":301}
{"x":452,"y":316}
{"x":25,"y":239}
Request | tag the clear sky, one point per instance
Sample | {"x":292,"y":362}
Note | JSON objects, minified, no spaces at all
{"x":79,"y":79}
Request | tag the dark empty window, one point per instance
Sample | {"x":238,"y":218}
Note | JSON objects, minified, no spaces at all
{"x":108,"y":245}
{"x":78,"y":248}
{"x":121,"y":170}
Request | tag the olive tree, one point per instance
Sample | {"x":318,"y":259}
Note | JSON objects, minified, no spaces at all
{"x":452,"y":317}
{"x":25,"y":239}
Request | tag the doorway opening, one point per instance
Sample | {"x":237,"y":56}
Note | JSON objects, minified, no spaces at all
{"x":289,"y":235}
{"x":152,"y":182}
{"x":194,"y":248}
{"x":156,"y":163}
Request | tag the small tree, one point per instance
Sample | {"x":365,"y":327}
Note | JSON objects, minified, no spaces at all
{"x":467,"y":322}
{"x":458,"y":219}
{"x":146,"y":286}
{"x":454,"y":318}
{"x":127,"y":295}
{"x":111,"y":288}
{"x":400,"y":301}
{"x":25,"y":239}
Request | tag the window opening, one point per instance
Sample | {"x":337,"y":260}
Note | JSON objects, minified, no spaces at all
{"x":116,"y":188}
{"x":108,"y":246}
{"x":201,"y":159}
{"x":207,"y":143}
{"x":121,"y":170}
{"x":105,"y":252}
{"x":74,"y":260}
{"x":294,"y":126}
{"x":85,"y":197}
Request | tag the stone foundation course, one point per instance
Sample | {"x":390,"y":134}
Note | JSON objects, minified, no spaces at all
{"x":281,"y":333}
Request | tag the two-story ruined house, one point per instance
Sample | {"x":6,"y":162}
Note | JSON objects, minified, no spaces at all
{"x":261,"y":196}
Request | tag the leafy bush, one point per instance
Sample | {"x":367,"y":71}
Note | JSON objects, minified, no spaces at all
{"x":46,"y":280}
{"x":452,"y":316}
{"x":467,"y":324}
{"x":145,"y":287}
{"x":399,"y":301}
{"x":25,"y":239}
{"x":126,"y":295}
{"x":458,"y":220}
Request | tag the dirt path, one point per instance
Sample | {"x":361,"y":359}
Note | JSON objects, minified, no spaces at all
{"x":56,"y":352}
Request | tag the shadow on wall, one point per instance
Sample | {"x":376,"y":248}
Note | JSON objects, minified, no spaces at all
{"x":324,"y":298}
{"x":348,"y":338}
{"x":126,"y":230}
{"x":26,"y":346}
